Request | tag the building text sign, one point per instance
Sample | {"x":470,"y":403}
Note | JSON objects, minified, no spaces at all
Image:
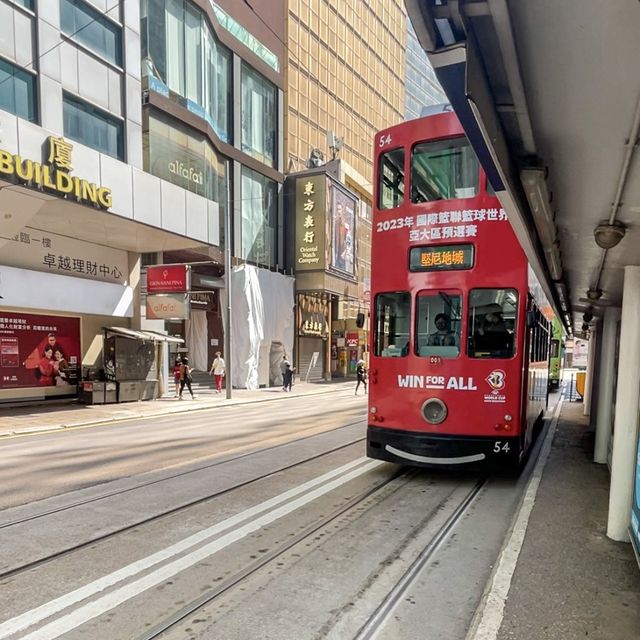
{"x":310,"y":223}
{"x":168,"y":278}
{"x":54,"y":174}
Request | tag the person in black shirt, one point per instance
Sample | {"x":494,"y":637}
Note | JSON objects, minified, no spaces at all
{"x":361,"y":375}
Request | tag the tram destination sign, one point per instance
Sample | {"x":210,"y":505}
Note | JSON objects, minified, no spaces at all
{"x":441,"y":257}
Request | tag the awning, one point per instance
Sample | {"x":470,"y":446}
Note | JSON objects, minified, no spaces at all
{"x":143,"y":335}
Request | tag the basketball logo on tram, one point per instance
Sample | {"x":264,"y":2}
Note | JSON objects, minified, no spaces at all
{"x":461,"y":327}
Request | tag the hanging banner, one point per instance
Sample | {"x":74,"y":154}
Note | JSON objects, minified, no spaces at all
{"x":169,"y":306}
{"x":169,"y":278}
{"x":38,"y":351}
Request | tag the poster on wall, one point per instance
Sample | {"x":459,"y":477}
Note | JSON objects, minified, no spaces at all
{"x":343,"y":231}
{"x":38,"y":351}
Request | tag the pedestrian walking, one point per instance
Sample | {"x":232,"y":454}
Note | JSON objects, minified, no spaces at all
{"x":176,"y":375}
{"x":218,"y":369}
{"x":287,"y":374}
{"x":185,"y":377}
{"x":361,"y":375}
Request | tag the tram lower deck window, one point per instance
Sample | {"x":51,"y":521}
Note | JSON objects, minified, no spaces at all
{"x":492,"y":323}
{"x":392,"y":324}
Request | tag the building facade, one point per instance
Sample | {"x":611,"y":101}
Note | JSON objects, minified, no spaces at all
{"x":129,"y":130}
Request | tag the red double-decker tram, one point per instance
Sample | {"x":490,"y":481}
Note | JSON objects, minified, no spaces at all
{"x":461,"y":327}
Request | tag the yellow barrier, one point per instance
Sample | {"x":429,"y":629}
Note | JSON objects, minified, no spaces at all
{"x":581,"y":377}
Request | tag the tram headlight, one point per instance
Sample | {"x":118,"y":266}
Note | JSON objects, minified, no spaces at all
{"x":434,"y":411}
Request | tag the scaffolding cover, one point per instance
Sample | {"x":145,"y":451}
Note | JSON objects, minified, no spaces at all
{"x":262,"y":323}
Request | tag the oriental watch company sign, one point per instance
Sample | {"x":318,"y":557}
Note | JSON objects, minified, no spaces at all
{"x":54,"y":174}
{"x":310,"y":223}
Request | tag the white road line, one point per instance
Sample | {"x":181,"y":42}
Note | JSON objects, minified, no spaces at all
{"x":490,"y":621}
{"x":48,"y":609}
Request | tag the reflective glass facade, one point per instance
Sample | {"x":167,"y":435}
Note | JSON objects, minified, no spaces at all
{"x":421,"y":86}
{"x":18,"y":91}
{"x":259,"y":112}
{"x":259,"y":218}
{"x":181,"y":52}
{"x":93,"y":127}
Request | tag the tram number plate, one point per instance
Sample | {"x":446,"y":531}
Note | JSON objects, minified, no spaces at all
{"x":435,"y":360}
{"x":501,"y":447}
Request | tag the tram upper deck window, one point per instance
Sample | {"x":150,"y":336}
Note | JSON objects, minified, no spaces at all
{"x":392,"y":322}
{"x":438,"y":324}
{"x":391,"y":179}
{"x":492,"y":323}
{"x":443,"y":170}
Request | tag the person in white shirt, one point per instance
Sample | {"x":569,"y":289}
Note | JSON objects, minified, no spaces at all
{"x":218,"y":371}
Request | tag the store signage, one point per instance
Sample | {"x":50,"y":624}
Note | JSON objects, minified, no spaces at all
{"x":169,"y":306}
{"x":310,"y":223}
{"x":313,"y":314}
{"x":44,"y":251}
{"x":169,"y":278}
{"x":352,"y":339}
{"x":203,"y":300}
{"x":39,"y":351}
{"x":178,"y":168}
{"x":55,"y":174}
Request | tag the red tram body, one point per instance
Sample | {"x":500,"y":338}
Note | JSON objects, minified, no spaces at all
{"x":460,"y":325}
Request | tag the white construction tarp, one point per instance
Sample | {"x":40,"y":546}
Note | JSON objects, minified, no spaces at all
{"x":262,"y":323}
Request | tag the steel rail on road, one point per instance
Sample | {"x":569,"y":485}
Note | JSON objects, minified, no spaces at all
{"x":252,"y":568}
{"x":63,"y":552}
{"x":387,"y":606}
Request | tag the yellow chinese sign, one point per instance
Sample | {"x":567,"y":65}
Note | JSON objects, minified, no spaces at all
{"x":54,"y":176}
{"x":441,"y":258}
{"x":313,"y":315}
{"x":310,"y":223}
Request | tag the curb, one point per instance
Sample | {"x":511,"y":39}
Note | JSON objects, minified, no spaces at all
{"x":26,"y":431}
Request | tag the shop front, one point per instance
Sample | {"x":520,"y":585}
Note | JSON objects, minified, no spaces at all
{"x":313,"y":333}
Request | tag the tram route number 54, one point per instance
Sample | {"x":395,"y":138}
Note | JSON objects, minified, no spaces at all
{"x":384,"y":140}
{"x":499,"y":447}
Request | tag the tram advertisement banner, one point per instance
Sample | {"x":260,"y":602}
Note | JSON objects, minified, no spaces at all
{"x":38,"y":351}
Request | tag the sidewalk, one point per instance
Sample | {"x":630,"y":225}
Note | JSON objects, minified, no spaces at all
{"x":33,"y":419}
{"x":571,"y":581}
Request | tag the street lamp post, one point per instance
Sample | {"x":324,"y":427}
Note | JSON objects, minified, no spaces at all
{"x":227,"y":285}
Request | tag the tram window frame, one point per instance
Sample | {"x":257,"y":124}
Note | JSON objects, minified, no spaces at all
{"x":451,"y":349}
{"x":493,"y":294}
{"x":447,"y":148}
{"x":386,"y":348}
{"x":395,"y":189}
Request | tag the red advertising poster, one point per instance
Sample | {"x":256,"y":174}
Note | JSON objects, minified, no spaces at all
{"x":168,"y":278}
{"x":38,"y":351}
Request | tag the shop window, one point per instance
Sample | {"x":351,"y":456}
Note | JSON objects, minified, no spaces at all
{"x":492,"y":323}
{"x":18,"y":91}
{"x":94,"y":30}
{"x":259,"y":113}
{"x":259,"y":218}
{"x":392,"y":323}
{"x":93,"y":127}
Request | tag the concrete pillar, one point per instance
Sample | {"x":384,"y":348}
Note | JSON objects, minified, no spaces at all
{"x":625,"y":433}
{"x":591,"y":361}
{"x":605,"y":387}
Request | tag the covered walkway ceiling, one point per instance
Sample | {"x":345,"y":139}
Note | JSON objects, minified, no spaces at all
{"x":548,"y":92}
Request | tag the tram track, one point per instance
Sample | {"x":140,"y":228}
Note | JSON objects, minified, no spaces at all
{"x":14,"y":571}
{"x":377,"y":619}
{"x":209,"y":596}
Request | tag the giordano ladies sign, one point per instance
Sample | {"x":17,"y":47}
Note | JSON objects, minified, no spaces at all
{"x":55,"y":174}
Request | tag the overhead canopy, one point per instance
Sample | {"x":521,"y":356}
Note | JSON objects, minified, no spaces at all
{"x":143,"y":335}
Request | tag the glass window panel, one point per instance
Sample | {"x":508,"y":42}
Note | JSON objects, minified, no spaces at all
{"x":259,"y":218}
{"x":174,"y":33}
{"x":89,"y":27}
{"x":258,"y":116}
{"x":444,"y":170}
{"x":391,"y":179}
{"x":438,"y":324}
{"x":92,"y":127}
{"x":492,"y":323}
{"x":18,"y":91}
{"x":193,"y":55}
{"x":392,"y":324}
